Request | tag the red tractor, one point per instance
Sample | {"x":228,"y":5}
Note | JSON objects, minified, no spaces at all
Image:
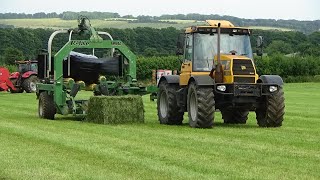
{"x":26,"y":77}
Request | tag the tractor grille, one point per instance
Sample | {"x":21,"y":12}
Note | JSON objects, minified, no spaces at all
{"x":244,"y":79}
{"x":242,"y":67}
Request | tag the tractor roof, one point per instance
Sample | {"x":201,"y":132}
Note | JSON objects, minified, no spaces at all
{"x":213,"y":24}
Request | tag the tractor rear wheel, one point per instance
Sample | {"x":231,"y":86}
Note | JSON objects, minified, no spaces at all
{"x":46,"y":107}
{"x":201,"y":106}
{"x":271,"y":111}
{"x":18,"y":89}
{"x":29,"y":84}
{"x":234,"y":115}
{"x":168,"y":110}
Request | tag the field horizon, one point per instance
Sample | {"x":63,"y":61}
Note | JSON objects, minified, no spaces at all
{"x":57,"y":23}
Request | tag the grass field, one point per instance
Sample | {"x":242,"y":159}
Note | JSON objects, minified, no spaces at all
{"x":33,"y":148}
{"x":56,"y":23}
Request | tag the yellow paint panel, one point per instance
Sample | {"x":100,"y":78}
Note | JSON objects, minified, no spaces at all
{"x":186,"y":69}
{"x":223,"y":23}
{"x":227,"y":79}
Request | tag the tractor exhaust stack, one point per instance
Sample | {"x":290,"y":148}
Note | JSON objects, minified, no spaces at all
{"x":219,"y":70}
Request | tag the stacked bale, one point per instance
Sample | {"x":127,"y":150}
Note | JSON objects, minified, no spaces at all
{"x":115,"y":109}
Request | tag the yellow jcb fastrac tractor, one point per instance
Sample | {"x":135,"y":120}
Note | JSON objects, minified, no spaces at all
{"x":218,"y":74}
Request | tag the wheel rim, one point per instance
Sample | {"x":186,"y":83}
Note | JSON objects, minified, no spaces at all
{"x":40,"y":109}
{"x":33,"y":86}
{"x":193,"y":107}
{"x":163,"y":104}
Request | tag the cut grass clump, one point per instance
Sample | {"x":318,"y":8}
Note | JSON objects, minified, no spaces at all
{"x":115,"y":109}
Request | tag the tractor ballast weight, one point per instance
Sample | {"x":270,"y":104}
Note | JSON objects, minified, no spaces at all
{"x":61,"y":73}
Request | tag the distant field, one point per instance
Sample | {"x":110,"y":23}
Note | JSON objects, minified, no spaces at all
{"x":56,"y":23}
{"x":34,"y":148}
{"x":270,"y":28}
{"x":182,"y":21}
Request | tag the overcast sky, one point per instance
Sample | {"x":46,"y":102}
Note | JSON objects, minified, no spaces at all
{"x":254,"y":9}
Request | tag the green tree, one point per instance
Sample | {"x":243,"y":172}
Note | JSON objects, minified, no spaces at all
{"x":151,"y":52}
{"x":315,"y":38}
{"x":12,"y":54}
{"x":279,"y":47}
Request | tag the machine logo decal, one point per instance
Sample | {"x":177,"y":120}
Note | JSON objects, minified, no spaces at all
{"x":116,"y":43}
{"x":243,"y":68}
{"x":79,"y":43}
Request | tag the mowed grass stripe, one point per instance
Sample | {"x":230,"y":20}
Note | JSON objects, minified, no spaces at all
{"x":156,"y":148}
{"x":100,"y":145}
{"x":68,"y":149}
{"x":59,"y":161}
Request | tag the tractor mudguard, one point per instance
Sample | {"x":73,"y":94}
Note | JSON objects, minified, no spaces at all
{"x":14,"y":75}
{"x":202,"y":80}
{"x":271,"y":79}
{"x":28,"y":74}
{"x":171,"y":79}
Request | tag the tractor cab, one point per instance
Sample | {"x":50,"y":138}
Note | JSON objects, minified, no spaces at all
{"x":25,"y":66}
{"x":199,"y":48}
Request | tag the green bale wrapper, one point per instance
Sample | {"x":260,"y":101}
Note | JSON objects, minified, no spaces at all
{"x":115,"y":109}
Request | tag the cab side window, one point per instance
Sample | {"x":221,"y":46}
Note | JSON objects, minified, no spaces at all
{"x":188,"y":51}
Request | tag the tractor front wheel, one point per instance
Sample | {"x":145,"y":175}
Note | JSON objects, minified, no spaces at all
{"x":234,"y":115}
{"x":168,"y":110}
{"x":271,"y":111}
{"x":46,"y":108}
{"x":29,"y":84}
{"x":201,"y":106}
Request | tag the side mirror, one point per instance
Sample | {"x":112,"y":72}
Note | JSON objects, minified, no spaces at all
{"x":259,"y":42}
{"x":180,"y":44}
{"x":259,"y":49}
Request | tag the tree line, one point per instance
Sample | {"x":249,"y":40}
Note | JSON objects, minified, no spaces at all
{"x":303,"y":26}
{"x":146,"y":41}
{"x":289,"y":54}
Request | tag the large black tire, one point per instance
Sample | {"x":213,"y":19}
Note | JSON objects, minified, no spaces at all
{"x":29,"y":84}
{"x":234,"y":115}
{"x":271,"y":111}
{"x":46,"y":106}
{"x":168,"y":110}
{"x":201,"y":106}
{"x":18,"y":89}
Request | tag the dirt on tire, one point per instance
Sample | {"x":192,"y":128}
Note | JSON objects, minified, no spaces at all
{"x":201,"y":106}
{"x":271,"y":112}
{"x":46,"y":106}
{"x":168,"y":111}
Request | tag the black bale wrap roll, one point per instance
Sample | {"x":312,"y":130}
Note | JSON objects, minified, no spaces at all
{"x":88,"y":68}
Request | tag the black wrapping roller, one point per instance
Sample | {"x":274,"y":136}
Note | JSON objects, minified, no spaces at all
{"x":88,"y":68}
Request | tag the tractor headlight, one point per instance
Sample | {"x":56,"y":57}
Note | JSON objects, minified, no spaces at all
{"x":222,"y":88}
{"x":273,"y":88}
